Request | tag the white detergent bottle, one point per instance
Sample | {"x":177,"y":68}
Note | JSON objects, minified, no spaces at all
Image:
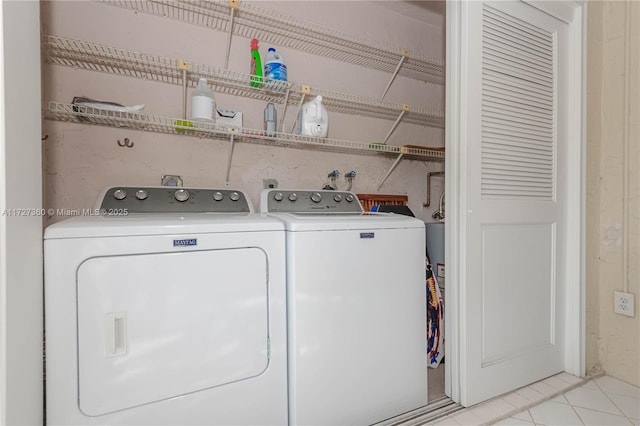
{"x":203,"y":103}
{"x":313,"y":119}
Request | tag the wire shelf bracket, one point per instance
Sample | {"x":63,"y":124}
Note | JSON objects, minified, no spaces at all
{"x":405,"y":53}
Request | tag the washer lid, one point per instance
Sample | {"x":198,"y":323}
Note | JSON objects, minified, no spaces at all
{"x":299,"y":222}
{"x":160,"y":224}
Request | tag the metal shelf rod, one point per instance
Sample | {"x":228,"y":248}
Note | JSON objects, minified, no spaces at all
{"x":295,"y":120}
{"x":394,"y":126}
{"x":226,"y":179}
{"x":284,"y":110}
{"x":232,"y":11}
{"x":393,"y":167}
{"x":393,"y":76}
{"x":184,"y":67}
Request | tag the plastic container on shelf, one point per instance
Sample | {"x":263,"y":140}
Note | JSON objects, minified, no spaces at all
{"x":256,"y":65}
{"x":274,"y":66}
{"x":270,"y":119}
{"x":203,"y":103}
{"x":313,"y":119}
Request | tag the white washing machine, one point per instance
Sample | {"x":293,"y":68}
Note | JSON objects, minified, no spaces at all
{"x":356,"y":308}
{"x":168,"y":308}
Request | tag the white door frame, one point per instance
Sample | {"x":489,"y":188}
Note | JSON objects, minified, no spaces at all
{"x":21,"y":367}
{"x":574,"y":13}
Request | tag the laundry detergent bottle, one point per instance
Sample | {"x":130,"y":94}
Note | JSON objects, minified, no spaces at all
{"x":203,"y":103}
{"x":313,"y":119}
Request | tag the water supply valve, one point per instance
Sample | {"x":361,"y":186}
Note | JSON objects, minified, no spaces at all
{"x":349,"y":178}
{"x":332,"y":186}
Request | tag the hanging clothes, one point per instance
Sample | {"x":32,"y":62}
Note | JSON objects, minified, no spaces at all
{"x":435,"y":319}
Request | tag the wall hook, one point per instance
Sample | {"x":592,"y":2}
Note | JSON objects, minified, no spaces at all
{"x":127,"y":142}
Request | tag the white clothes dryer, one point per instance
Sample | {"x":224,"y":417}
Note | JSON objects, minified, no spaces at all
{"x":356,"y":308}
{"x":166,"y":306}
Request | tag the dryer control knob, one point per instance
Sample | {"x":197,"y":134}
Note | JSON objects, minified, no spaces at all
{"x":119,"y":194}
{"x":218,"y":196}
{"x":293,"y":196}
{"x":349,"y":198}
{"x":278,"y":196}
{"x":234,"y":196}
{"x":337,"y":198}
{"x":181,"y":195}
{"x":141,"y":194}
{"x":316,"y":197}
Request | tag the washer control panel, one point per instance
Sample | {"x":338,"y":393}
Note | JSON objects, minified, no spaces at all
{"x":309,"y":201}
{"x":168,"y":199}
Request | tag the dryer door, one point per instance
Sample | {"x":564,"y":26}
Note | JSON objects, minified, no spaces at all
{"x":157,"y":326}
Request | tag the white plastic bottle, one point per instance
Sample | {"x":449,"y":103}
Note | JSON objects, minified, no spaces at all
{"x":203,"y":103}
{"x":313,"y":119}
{"x":270,"y":119}
{"x":274,"y":66}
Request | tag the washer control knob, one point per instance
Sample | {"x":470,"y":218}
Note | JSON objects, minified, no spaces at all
{"x":181,"y":195}
{"x":119,"y":194}
{"x":316,"y":197}
{"x":278,"y":196}
{"x":141,"y":194}
{"x":349,"y":198}
{"x":337,"y":198}
{"x":217,"y":196}
{"x":293,"y":196}
{"x":234,"y":196}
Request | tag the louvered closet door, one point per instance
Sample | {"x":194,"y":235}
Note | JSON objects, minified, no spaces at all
{"x":513,"y":293}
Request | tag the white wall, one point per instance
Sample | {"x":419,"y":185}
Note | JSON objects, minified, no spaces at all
{"x":21,"y":390}
{"x":80,"y":160}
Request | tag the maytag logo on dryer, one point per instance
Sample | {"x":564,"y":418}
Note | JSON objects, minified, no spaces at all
{"x":185,"y":242}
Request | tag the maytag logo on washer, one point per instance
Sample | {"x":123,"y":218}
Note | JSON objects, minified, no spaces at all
{"x":186,"y":242}
{"x":367,"y":235}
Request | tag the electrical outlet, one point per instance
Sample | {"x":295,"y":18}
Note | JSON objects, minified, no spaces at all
{"x":623,"y":303}
{"x":269,"y":183}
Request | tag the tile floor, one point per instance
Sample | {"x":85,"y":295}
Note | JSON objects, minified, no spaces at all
{"x":562,"y":399}
{"x":601,"y":401}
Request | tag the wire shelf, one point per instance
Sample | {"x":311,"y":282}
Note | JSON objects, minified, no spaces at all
{"x":96,"y":57}
{"x":152,"y":123}
{"x":253,"y":21}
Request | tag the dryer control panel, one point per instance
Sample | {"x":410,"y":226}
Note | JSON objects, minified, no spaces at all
{"x":309,"y":201}
{"x":167,"y":199}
